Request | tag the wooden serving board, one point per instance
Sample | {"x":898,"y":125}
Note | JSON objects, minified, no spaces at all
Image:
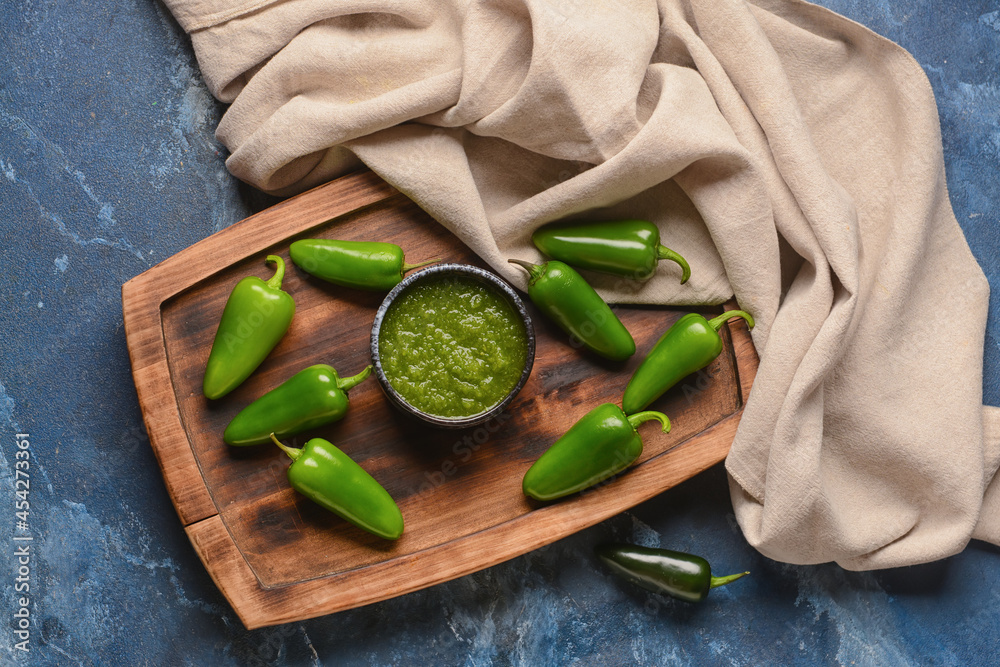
{"x":276,"y":556}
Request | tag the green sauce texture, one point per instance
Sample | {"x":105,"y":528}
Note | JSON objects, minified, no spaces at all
{"x":452,"y":347}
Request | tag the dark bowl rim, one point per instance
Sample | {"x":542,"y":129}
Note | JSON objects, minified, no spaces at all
{"x":482,"y":275}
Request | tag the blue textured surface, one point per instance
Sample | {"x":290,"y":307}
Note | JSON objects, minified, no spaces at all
{"x":108,"y":164}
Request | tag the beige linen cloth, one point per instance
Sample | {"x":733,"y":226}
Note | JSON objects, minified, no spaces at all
{"x":791,"y":155}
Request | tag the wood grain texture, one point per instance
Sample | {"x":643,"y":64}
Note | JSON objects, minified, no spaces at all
{"x":276,"y":556}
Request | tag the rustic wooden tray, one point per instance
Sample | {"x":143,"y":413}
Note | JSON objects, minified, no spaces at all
{"x":279,"y":558}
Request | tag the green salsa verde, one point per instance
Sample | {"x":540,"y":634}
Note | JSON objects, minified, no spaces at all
{"x":452,"y":346}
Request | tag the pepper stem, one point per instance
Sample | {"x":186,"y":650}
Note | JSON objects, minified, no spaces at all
{"x":279,"y":271}
{"x":534,"y":270}
{"x":347,"y":384}
{"x":722,"y":581}
{"x":717,"y":322}
{"x":663,"y":252}
{"x":292,"y":452}
{"x":410,"y":267}
{"x":648,"y":415}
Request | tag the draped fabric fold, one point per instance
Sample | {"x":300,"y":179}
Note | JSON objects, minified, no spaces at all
{"x":793,"y":156}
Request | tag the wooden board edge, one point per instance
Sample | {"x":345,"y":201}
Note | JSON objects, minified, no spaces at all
{"x":227,"y":567}
{"x":160,"y":413}
{"x":259,"y":607}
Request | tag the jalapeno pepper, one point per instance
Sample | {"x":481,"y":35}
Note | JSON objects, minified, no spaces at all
{"x":601,"y":444}
{"x":312,"y":397}
{"x":689,"y":345}
{"x":568,"y":300}
{"x":329,"y":477}
{"x":369,"y":265}
{"x":628,"y":248}
{"x":680,"y":575}
{"x":256,"y":316}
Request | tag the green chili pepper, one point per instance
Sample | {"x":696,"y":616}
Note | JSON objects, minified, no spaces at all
{"x":628,"y":248}
{"x":689,"y":345}
{"x":312,"y":397}
{"x":256,"y":316}
{"x":601,"y":444}
{"x":672,"y":573}
{"x":369,"y":265}
{"x":329,"y":477}
{"x":565,"y":297}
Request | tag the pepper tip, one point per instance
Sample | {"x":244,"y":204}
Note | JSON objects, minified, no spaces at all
{"x":410,"y":267}
{"x":717,"y":322}
{"x":722,"y":581}
{"x":274,"y":282}
{"x":292,"y":452}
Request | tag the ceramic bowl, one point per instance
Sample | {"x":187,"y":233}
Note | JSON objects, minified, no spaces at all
{"x":493,"y":281}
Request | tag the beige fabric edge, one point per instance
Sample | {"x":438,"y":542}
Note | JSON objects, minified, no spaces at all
{"x":194,"y":15}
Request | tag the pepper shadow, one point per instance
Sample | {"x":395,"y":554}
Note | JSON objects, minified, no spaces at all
{"x":925,"y":579}
{"x":672,"y":611}
{"x":370,"y":299}
{"x":323,"y":520}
